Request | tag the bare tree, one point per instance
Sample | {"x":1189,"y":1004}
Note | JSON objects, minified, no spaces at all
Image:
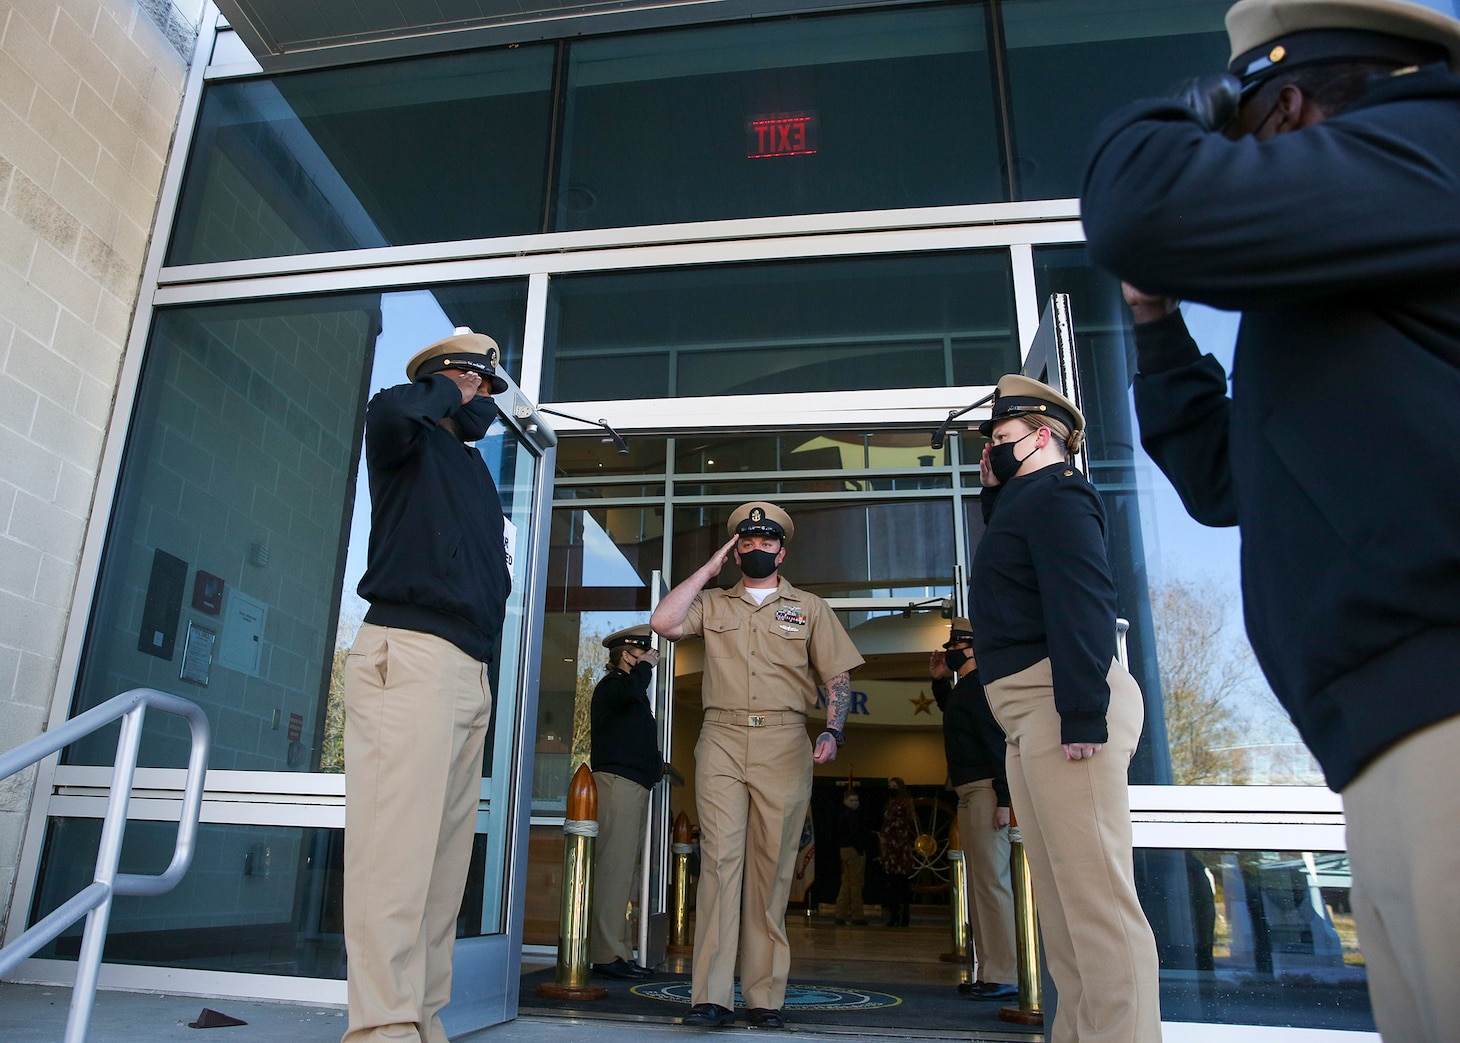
{"x":1202,"y":671}
{"x":332,"y":745}
{"x":592,"y":665}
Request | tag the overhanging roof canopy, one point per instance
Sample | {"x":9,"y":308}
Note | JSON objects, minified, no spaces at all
{"x":299,"y":34}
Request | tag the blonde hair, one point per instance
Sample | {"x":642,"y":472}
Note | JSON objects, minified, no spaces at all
{"x":1073,"y":441}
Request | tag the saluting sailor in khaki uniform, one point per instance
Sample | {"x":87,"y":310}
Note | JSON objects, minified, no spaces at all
{"x":765,"y":643}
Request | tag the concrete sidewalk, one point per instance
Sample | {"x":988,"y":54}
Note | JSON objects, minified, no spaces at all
{"x":37,"y":1014}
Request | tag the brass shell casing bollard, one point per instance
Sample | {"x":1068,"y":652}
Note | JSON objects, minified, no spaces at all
{"x":1026,"y":935}
{"x":679,"y":940}
{"x":580,"y":828}
{"x":958,"y":905}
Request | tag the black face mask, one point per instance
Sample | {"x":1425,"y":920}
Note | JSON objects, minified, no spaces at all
{"x":474,"y":417}
{"x":955,"y":658}
{"x":1002,"y":460}
{"x":757,"y":564}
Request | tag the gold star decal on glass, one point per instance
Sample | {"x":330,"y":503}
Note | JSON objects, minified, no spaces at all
{"x":921,"y":703}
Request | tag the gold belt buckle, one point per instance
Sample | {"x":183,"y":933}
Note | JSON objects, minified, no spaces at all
{"x":755,"y":720}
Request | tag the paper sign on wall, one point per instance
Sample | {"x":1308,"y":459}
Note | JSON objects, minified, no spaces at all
{"x":509,"y":538}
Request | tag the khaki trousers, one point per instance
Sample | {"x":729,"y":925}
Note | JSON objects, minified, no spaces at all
{"x":990,"y":890}
{"x":1404,"y":848}
{"x":416,"y":716}
{"x":752,"y":786}
{"x":1075,"y":821}
{"x":623,"y":808}
{"x":854,"y":875}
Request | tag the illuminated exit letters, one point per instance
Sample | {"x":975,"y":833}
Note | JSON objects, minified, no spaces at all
{"x":781,"y":134}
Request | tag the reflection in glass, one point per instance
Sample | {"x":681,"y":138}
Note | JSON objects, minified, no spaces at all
{"x":426,"y":150}
{"x":257,"y":899}
{"x":926,"y":320}
{"x":240,"y":469}
{"x":582,"y":456}
{"x":1219,"y":721}
{"x":1256,"y":937}
{"x":1071,"y":63}
{"x":239,"y":465}
{"x":779,"y":116}
{"x":600,"y":562}
{"x":828,"y":451}
{"x":897,"y":545}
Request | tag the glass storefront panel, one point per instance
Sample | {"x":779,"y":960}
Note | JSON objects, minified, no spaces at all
{"x":1073,"y":62}
{"x":852,"y":324}
{"x":1177,"y":581}
{"x":431,"y":149}
{"x":841,"y":549}
{"x":591,"y":458}
{"x":1256,"y":938}
{"x":832,"y":450}
{"x":239,"y":510}
{"x":780,"y":116}
{"x":220,"y":577}
{"x":256,"y":900}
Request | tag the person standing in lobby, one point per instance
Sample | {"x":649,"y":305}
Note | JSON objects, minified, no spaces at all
{"x":851,"y":838}
{"x":627,"y":763}
{"x":764,"y":640}
{"x":417,"y":696}
{"x":895,"y":852}
{"x":974,"y":746}
{"x":1043,"y":613}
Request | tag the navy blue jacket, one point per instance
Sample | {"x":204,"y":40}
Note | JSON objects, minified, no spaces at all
{"x":1041,"y":587}
{"x":438,"y":561}
{"x":973,"y":742}
{"x":1335,"y":451}
{"x":624,"y":735}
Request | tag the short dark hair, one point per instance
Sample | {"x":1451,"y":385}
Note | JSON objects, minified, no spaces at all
{"x":1333,"y":86}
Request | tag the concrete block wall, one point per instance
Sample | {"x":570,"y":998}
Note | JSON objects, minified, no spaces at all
{"x":90,"y":92}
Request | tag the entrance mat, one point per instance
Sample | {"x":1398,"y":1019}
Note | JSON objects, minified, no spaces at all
{"x":881,"y":1007}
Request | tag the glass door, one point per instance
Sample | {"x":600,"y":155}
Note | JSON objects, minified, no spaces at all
{"x":519,"y":452}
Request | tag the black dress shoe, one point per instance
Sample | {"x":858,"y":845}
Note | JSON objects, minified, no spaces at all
{"x":708,"y":1016}
{"x":621,"y":969}
{"x":995,"y":991}
{"x":764,"y":1018}
{"x":971,"y":988}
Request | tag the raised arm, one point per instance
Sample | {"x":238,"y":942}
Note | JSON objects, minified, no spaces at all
{"x":668,"y":619}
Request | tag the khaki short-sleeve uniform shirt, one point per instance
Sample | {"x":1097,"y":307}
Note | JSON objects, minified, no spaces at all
{"x":768,"y":657}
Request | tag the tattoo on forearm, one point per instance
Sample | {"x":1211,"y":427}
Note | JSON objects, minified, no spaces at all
{"x":838,"y":700}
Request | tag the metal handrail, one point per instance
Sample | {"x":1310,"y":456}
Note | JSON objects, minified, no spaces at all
{"x":95,"y":901}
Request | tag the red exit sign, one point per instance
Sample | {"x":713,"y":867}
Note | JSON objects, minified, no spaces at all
{"x":781,"y":134}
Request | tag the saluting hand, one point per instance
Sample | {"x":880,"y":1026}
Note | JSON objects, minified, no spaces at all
{"x":937,"y":666}
{"x":469,"y":381}
{"x":1081,"y":751}
{"x":1147,"y":307}
{"x":985,"y":472}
